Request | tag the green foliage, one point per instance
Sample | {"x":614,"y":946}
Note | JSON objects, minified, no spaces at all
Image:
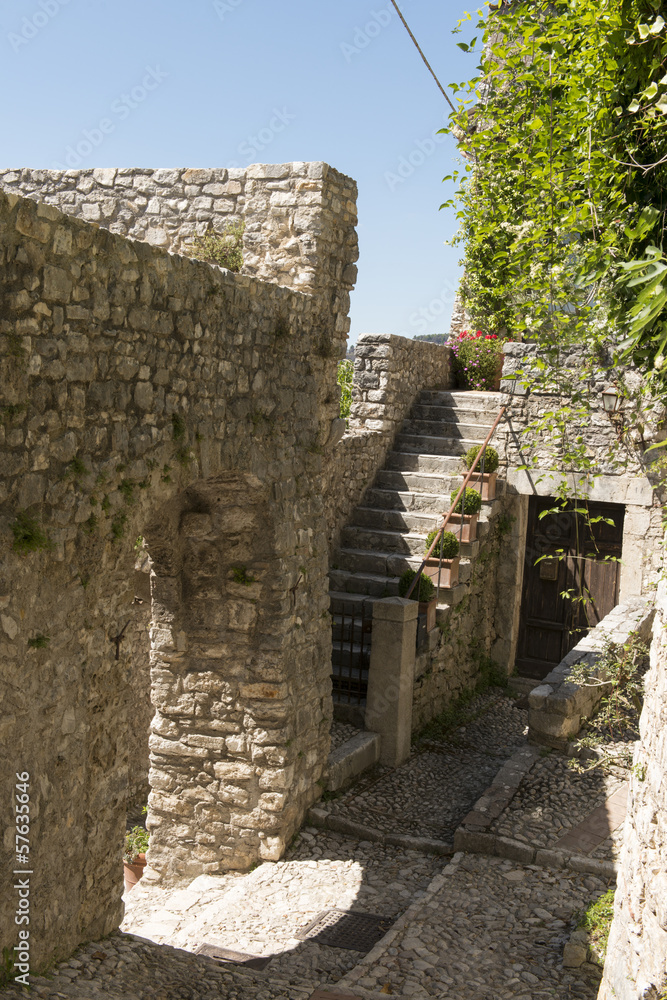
{"x":241,"y":575}
{"x":224,"y":249}
{"x":471,"y":500}
{"x":344,"y":379}
{"x":8,"y":971}
{"x":426,"y":589}
{"x":178,"y":426}
{"x":476,"y":360}
{"x":28,"y":535}
{"x":448,"y":546}
{"x":561,"y":200}
{"x":597,"y":920}
{"x":39,"y":641}
{"x":77,"y":467}
{"x":165,"y":477}
{"x":491,"y":460}
{"x":118,"y":526}
{"x":136,"y":843}
{"x":126,"y":489}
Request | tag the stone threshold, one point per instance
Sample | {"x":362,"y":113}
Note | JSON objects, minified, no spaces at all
{"x":325,"y":820}
{"x":352,"y":758}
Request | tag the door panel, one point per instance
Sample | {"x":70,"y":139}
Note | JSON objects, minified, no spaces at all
{"x":574,"y":587}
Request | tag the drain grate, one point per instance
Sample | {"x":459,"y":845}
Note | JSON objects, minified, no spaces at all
{"x":346,"y":929}
{"x":227,"y":957}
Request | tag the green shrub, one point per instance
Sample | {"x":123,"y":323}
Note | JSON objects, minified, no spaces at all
{"x":224,"y":249}
{"x":344,"y":379}
{"x":491,"y":460}
{"x":597,"y":921}
{"x":28,"y":535}
{"x":472,"y":503}
{"x":136,"y":843}
{"x":450,"y":545}
{"x":426,"y":588}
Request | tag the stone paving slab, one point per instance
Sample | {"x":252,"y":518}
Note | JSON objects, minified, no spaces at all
{"x":487,"y":929}
{"x":598,"y":825}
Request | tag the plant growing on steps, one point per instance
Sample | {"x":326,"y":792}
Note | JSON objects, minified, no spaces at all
{"x":426,"y":588}
{"x":448,"y":545}
{"x":471,"y":501}
{"x":491,"y":459}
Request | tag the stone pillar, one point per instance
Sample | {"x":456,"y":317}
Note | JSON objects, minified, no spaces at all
{"x":391,"y":677}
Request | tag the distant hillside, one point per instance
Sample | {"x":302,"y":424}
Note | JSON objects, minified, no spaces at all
{"x":434,"y":338}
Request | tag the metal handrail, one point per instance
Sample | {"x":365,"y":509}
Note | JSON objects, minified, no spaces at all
{"x":480,"y":457}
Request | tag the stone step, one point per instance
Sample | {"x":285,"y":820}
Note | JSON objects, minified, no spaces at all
{"x":412,"y":501}
{"x":453,"y":415}
{"x":361,"y":584}
{"x":432,"y":483}
{"x":351,"y":758}
{"x":481,"y":402}
{"x":350,"y":660}
{"x":393,"y":520}
{"x":428,"y":444}
{"x":390,"y":564}
{"x":354,"y":603}
{"x":413,"y":461}
{"x":458,"y":430}
{"x":384,"y":540}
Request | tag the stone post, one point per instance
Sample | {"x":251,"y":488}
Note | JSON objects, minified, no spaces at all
{"x":391,"y":677}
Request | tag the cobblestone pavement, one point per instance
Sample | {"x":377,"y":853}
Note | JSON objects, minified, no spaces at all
{"x":490,"y":930}
{"x":552,"y":799}
{"x":484,"y":929}
{"x":410,"y":799}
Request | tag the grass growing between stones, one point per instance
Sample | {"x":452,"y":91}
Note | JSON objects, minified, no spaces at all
{"x":597,"y":921}
{"x":28,"y":535}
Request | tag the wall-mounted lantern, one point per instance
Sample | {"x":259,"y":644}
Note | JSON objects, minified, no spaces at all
{"x":611,"y":399}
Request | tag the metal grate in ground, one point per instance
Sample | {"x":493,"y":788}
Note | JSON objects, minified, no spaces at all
{"x":346,"y":929}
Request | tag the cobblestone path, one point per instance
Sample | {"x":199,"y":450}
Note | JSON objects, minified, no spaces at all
{"x":465,"y":926}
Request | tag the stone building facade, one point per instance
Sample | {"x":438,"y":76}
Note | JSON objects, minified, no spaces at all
{"x":148,"y":395}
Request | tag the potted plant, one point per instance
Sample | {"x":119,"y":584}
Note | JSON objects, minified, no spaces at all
{"x":445,"y":573}
{"x":134,"y":855}
{"x":426,"y":595}
{"x":491,"y":462}
{"x":465,"y":513}
{"x":477,"y":360}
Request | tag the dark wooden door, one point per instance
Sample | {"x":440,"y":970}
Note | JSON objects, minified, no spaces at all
{"x":574,"y":587}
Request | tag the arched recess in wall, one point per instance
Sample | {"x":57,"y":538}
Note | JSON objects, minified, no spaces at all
{"x":216,"y":595}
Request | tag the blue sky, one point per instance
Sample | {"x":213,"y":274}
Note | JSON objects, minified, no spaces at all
{"x":232,"y":82}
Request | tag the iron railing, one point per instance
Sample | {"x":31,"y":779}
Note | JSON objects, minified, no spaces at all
{"x":438,"y":538}
{"x":351,"y":632}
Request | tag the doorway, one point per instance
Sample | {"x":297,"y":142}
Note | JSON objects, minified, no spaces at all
{"x":575,"y":582}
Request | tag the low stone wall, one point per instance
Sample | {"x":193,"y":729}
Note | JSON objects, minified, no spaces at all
{"x":558,"y":705}
{"x":636,"y":963}
{"x":389,"y":374}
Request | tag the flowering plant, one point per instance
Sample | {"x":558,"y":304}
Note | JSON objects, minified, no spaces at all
{"x":476,"y":359}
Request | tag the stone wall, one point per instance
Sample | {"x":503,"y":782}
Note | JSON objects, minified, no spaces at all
{"x":146,"y":394}
{"x":618,"y":470}
{"x":389,"y":374}
{"x":299,"y":218}
{"x":479,"y":632}
{"x":636,"y":963}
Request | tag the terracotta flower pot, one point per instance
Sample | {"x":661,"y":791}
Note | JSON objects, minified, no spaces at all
{"x":448,"y":572}
{"x":133,"y":872}
{"x":487,"y":486}
{"x":468,"y":531}
{"x":428,"y":608}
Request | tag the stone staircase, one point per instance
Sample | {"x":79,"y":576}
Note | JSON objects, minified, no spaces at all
{"x":387,"y":532}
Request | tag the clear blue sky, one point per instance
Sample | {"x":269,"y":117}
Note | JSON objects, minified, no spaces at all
{"x":243,"y":81}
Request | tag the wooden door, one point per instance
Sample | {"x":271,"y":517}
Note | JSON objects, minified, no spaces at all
{"x":574,"y":587}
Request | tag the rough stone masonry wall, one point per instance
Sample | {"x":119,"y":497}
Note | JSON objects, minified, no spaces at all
{"x":299,"y":218}
{"x":480,"y":631}
{"x":389,"y":374}
{"x":636,"y":963}
{"x":148,"y":394}
{"x":618,"y":469}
